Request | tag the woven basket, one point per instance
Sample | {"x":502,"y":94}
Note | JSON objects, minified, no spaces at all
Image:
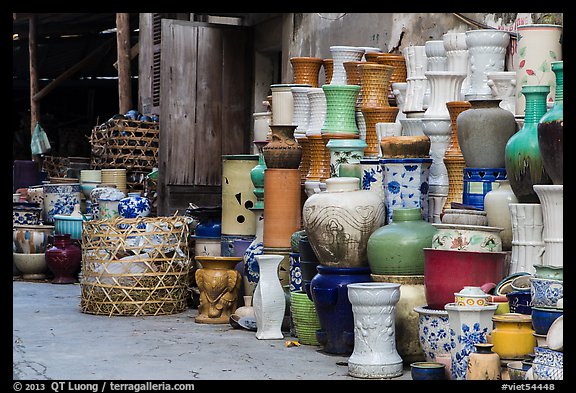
{"x":55,"y":166}
{"x":135,"y":266}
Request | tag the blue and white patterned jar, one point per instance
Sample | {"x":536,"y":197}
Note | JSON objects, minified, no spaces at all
{"x":134,"y":205}
{"x":545,"y":292}
{"x":433,"y":331}
{"x":295,"y":273}
{"x":372,"y":176}
{"x":60,"y":199}
{"x":26,"y":213}
{"x":548,"y":364}
{"x":405,"y":182}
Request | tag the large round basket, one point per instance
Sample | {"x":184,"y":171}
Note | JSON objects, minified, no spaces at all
{"x":135,"y":266}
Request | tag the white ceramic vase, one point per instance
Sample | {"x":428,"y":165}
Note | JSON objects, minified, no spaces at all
{"x":438,"y":129}
{"x":412,"y":124}
{"x":503,"y":86}
{"x":469,"y":325}
{"x":552,"y":202}
{"x":269,"y":301}
{"x":341,"y":54}
{"x":487,"y":53}
{"x":416,"y":66}
{"x":496,"y":203}
{"x":283,"y":103}
{"x":374,"y":310}
{"x":434,"y":332}
{"x":301,"y":114}
{"x":527,"y":241}
{"x":457,"y":58}
{"x":399,"y":91}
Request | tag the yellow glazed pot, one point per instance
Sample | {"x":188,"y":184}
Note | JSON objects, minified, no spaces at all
{"x":513,"y":336}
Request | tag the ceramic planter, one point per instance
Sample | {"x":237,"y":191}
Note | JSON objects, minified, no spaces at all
{"x":60,"y":199}
{"x":520,"y":302}
{"x":69,"y":224}
{"x":497,"y":210}
{"x":471,"y":297}
{"x":465,"y":217}
{"x":467,"y":238}
{"x":26,"y":213}
{"x":478,"y":182}
{"x":503,"y":86}
{"x":341,"y":54}
{"x":434,"y":332}
{"x":512,"y":336}
{"x":306,"y":70}
{"x":545,"y":292}
{"x":344,"y":151}
{"x":527,"y":244}
{"x":31,"y":239}
{"x":31,"y":266}
{"x":543,"y":317}
{"x":438,"y":129}
{"x":304,"y":318}
{"x":238,"y":195}
{"x":552,"y":201}
{"x":133,"y":206}
{"x":340,"y":116}
{"x":549,"y":272}
{"x":548,"y":364}
{"x":427,"y":371}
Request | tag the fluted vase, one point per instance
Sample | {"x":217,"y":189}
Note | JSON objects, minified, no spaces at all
{"x":317,"y":147}
{"x":457,"y":58}
{"x":527,"y":237}
{"x":268,"y":301}
{"x":374,"y":84}
{"x":503,"y":86}
{"x":453,"y":157}
{"x":399,"y":74}
{"x":552,"y":202}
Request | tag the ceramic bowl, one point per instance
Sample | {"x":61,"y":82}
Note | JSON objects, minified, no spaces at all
{"x":542,"y":318}
{"x":427,"y":371}
{"x":519,"y":302}
{"x":87,"y":187}
{"x":32,"y":266}
{"x":31,"y":239}
{"x":546,"y":292}
{"x":505,"y":286}
{"x":521,"y":283}
{"x":471,"y":296}
{"x":467,"y":238}
{"x":555,"y":336}
{"x":548,"y":271}
{"x":516,"y":370}
{"x":71,"y":225}
{"x":465,"y":217}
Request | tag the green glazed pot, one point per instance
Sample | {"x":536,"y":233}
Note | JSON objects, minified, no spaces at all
{"x":340,"y":109}
{"x":524,"y":166}
{"x":397,"y":248}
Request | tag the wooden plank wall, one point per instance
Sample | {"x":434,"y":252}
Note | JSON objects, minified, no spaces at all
{"x":205,"y":111}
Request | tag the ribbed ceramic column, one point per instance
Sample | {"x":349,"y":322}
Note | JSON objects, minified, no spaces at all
{"x":457,"y":58}
{"x":487,"y":53}
{"x":317,"y":101}
{"x":373,"y":116}
{"x":436,"y":60}
{"x":399,"y":91}
{"x":552,"y":201}
{"x":445,"y":86}
{"x":301,"y":118}
{"x":412,"y":124}
{"x":374,"y":310}
{"x":399,"y":74}
{"x":416,"y":65}
{"x":527,"y":244}
{"x":306,"y":70}
{"x":374,"y":84}
{"x":340,"y":54}
{"x":283,"y":103}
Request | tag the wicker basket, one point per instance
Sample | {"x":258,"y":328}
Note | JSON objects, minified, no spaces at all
{"x":55,"y":166}
{"x":135,"y":266}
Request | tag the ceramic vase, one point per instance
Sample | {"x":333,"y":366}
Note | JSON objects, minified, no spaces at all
{"x":353,"y":75}
{"x":238,"y":195}
{"x":467,"y":238}
{"x":344,"y":151}
{"x":301,"y":114}
{"x":219,"y":284}
{"x":340,"y":110}
{"x":262,"y":131}
{"x":282,"y":206}
{"x":251,"y":271}
{"x":283,"y":151}
{"x":64,"y":259}
{"x":406,"y":184}
{"x":416,"y":65}
{"x":496,"y":203}
{"x":339,"y":221}
{"x":374,"y":311}
{"x":552,"y":203}
{"x":483,"y":364}
{"x":412,"y":124}
{"x":341,"y":54}
{"x":317,"y":148}
{"x":60,"y":199}
{"x":133,"y":206}
{"x":329,"y":292}
{"x":406,"y":321}
{"x":468,"y":326}
{"x":399,"y":92}
{"x":551,"y":131}
{"x":512,"y":336}
{"x":483,"y":131}
{"x":372,"y":176}
{"x":457,"y":58}
{"x":306,"y":70}
{"x":268,"y":300}
{"x":257,"y":175}
{"x":522,"y":154}
{"x":487,"y":53}
{"x":527,"y":242}
{"x":374,"y":84}
{"x":396,"y":248}
{"x":503,"y":87}
{"x":436,"y":55}
{"x":538,"y":45}
{"x":548,"y":364}
{"x":445,"y":86}
{"x":31,"y":239}
{"x":328,"y":65}
{"x":283,"y":102}
{"x":477,"y":182}
{"x":399,"y":73}
{"x":438,"y":130}
{"x":434,"y":332}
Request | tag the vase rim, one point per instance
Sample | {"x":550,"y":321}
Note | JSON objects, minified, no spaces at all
{"x":455,"y":307}
{"x":217,"y":258}
{"x":409,"y":160}
{"x":427,"y":365}
{"x":359,"y":143}
{"x":467,"y":227}
{"x":425,"y":309}
{"x":374,"y":284}
{"x":282,"y":85}
{"x":342,"y":270}
{"x":29,"y":226}
{"x":536,"y":88}
{"x":340,"y":87}
{"x":537,"y":25}
{"x":240,"y":157}
{"x":512,"y":317}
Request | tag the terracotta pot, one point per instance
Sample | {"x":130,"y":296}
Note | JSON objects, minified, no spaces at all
{"x":448,"y":271}
{"x":282,"y":206}
{"x":352,"y":73}
{"x":328,"y":65}
{"x":405,"y":146}
{"x":375,"y":84}
{"x":372,"y":116}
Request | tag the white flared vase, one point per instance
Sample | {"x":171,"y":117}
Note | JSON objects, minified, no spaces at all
{"x":436,"y":55}
{"x":552,"y":202}
{"x":444,"y":87}
{"x":251,"y":271}
{"x":457,"y":58}
{"x":527,"y":237}
{"x":317,"y":101}
{"x":438,"y":129}
{"x":269,"y":301}
{"x":469,"y":325}
{"x":503,"y":86}
{"x":486,"y":53}
{"x":301,"y":114}
{"x":416,"y":66}
{"x":374,"y":310}
{"x":340,"y":55}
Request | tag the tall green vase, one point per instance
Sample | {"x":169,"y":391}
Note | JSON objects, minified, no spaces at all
{"x":551,"y":130}
{"x":340,"y":110}
{"x":522,"y":155}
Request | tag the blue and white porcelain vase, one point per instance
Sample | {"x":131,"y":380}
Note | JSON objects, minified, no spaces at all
{"x":372,"y":176}
{"x":469,"y":325}
{"x":251,"y":269}
{"x":406,"y":184}
{"x":60,"y":199}
{"x":134,"y":205}
{"x":434,"y":332}
{"x":548,"y":364}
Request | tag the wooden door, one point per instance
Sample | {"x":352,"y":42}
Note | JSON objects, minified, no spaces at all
{"x":205,"y":109}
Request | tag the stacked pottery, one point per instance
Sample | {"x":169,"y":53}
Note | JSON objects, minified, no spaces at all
{"x":457,"y":58}
{"x":546,"y":296}
{"x":115,"y":176}
{"x":548,"y":364}
{"x":29,"y":245}
{"x":395,"y":256}
{"x":301,"y":117}
{"x":470,"y":324}
{"x":341,"y":54}
{"x":319,"y":153}
{"x":306,"y":70}
{"x":399,"y":74}
{"x":26,"y":213}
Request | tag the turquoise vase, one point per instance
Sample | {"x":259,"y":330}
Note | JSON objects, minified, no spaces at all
{"x":523,"y":159}
{"x":551,"y":131}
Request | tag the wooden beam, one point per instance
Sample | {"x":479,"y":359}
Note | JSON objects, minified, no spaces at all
{"x":32,"y":50}
{"x":123,"y":50}
{"x":72,"y":70}
{"x":134,"y":51}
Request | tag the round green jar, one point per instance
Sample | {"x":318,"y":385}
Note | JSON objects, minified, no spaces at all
{"x":397,"y":248}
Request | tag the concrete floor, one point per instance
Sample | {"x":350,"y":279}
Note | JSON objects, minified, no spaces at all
{"x":54,"y":340}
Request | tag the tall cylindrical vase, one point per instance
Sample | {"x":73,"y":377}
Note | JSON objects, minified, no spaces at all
{"x":527,"y":242}
{"x":416,"y":65}
{"x":374,"y":85}
{"x":552,"y":202}
{"x":283,"y":102}
{"x":522,"y":154}
{"x":282,"y":206}
{"x":340,"y":109}
{"x":268,"y":301}
{"x":538,"y":45}
{"x":238,"y":195}
{"x":457,"y":58}
{"x":487,"y":53}
{"x":503,"y":86}
{"x":317,"y":147}
{"x":374,"y":310}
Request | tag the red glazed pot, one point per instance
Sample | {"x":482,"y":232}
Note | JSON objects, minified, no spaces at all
{"x":448,"y":271}
{"x":64,"y":259}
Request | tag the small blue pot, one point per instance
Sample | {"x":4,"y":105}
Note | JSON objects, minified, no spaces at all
{"x":542,"y":318}
{"x":520,"y":302}
{"x":427,"y":371}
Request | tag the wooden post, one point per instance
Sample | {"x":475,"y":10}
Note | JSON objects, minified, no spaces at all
{"x":123,"y":44}
{"x":32,"y":50}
